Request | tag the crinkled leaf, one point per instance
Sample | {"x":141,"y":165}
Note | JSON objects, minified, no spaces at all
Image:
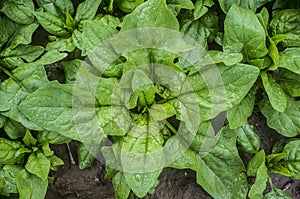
{"x":201,"y":7}
{"x":292,"y":160}
{"x":243,"y":33}
{"x":290,"y":82}
{"x":29,"y":140}
{"x":85,"y":158}
{"x":57,"y":7}
{"x":56,"y":113}
{"x":286,"y":123}
{"x":247,"y":139}
{"x":19,"y":11}
{"x":227,"y":4}
{"x":277,"y":96}
{"x":52,"y":24}
{"x":9,"y":152}
{"x":286,"y":22}
{"x":143,"y":16}
{"x":290,"y":59}
{"x":30,"y":186}
{"x":39,"y":165}
{"x":277,"y":194}
{"x":9,"y":174}
{"x":238,"y":115}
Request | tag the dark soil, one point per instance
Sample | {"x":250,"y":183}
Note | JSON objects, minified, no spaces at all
{"x":71,"y":182}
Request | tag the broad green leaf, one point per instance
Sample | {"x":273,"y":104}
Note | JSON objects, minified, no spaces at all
{"x":247,"y":139}
{"x":56,"y":113}
{"x":290,"y":82}
{"x":4,"y":103}
{"x":162,"y":111}
{"x":9,"y":152}
{"x":292,"y":160}
{"x":61,"y":45}
{"x":3,"y":33}
{"x":128,"y":6}
{"x":30,"y":186}
{"x":55,"y":162}
{"x":85,"y":158}
{"x":14,"y":130}
{"x":50,"y":57}
{"x":290,"y":59}
{"x":39,"y":165}
{"x":9,"y":174}
{"x":143,"y":16}
{"x":87,"y":10}
{"x":176,"y":5}
{"x":277,"y":96}
{"x":52,"y":24}
{"x":52,"y":137}
{"x":257,"y":167}
{"x":19,"y":11}
{"x":228,"y":58}
{"x":122,"y":190}
{"x":97,"y":31}
{"x":238,"y":115}
{"x":29,"y":140}
{"x":277,"y":194}
{"x":22,"y":35}
{"x":235,"y":80}
{"x":286,"y":123}
{"x":227,"y":4}
{"x":285,"y":22}
{"x":243,"y":33}
{"x":276,"y":164}
{"x":57,"y":7}
{"x":26,"y":79}
{"x":221,"y":172}
{"x":201,"y":7}
{"x":71,"y":68}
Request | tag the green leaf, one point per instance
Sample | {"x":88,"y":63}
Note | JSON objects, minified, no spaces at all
{"x":9,"y":152}
{"x":22,"y":35}
{"x":61,"y":45}
{"x":26,"y":79}
{"x":87,"y":10}
{"x":46,"y":149}
{"x":247,"y":139}
{"x":9,"y":174}
{"x":143,"y":16}
{"x":52,"y":137}
{"x":39,"y":165}
{"x":3,"y":33}
{"x":238,"y":115}
{"x":277,"y":96}
{"x":30,"y":186}
{"x":50,"y":58}
{"x":290,"y":59}
{"x":52,"y":24}
{"x":227,"y":4}
{"x":128,"y":6}
{"x":285,"y":22}
{"x":3,"y":121}
{"x":57,"y":7}
{"x":277,"y":194}
{"x":221,"y":172}
{"x":290,"y":82}
{"x":201,"y":8}
{"x":122,"y":190}
{"x":162,"y":111}
{"x":55,"y":162}
{"x":286,"y":123}
{"x":97,"y":31}
{"x":228,"y":58}
{"x":56,"y":112}
{"x":85,"y":158}
{"x":14,"y":129}
{"x":243,"y":33}
{"x":256,"y":167}
{"x":20,"y":12}
{"x":276,"y":164}
{"x":176,"y":5}
{"x":292,"y":160}
{"x":71,"y":68}
{"x":29,"y":140}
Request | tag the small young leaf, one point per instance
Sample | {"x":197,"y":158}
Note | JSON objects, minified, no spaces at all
{"x":85,"y":158}
{"x":122,"y":189}
{"x":87,"y":10}
{"x":292,"y":150}
{"x":29,"y":140}
{"x":277,"y":194}
{"x":55,"y":162}
{"x":14,"y":129}
{"x":39,"y":165}
{"x":247,"y":139}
